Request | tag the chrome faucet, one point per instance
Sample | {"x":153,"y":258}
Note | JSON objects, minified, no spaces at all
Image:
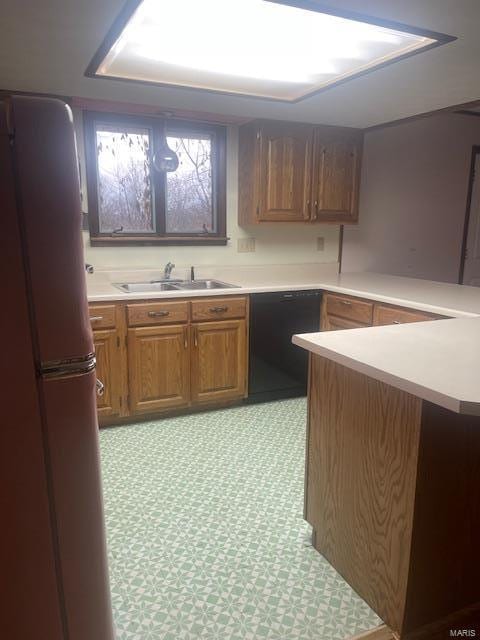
{"x":168,"y":270}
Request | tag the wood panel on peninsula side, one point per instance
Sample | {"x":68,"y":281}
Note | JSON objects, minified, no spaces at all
{"x":392,"y":487}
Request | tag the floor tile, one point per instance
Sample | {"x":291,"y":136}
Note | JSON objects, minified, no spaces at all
{"x":206,"y":538}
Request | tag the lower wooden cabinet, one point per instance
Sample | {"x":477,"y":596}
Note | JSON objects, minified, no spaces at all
{"x":385,"y":314}
{"x":219,"y":360}
{"x":110,"y":371}
{"x":158,"y":368}
{"x":347,"y":312}
{"x":163,"y":355}
{"x":157,"y":356}
{"x":334,"y":323}
{"x":353,"y":309}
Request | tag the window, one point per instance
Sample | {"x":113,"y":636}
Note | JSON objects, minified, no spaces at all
{"x":129,"y":202}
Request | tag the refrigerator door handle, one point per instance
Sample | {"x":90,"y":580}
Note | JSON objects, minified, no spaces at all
{"x":63,"y":368}
{"x":100,"y":387}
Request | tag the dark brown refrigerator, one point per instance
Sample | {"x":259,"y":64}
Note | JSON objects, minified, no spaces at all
{"x":53,"y":561}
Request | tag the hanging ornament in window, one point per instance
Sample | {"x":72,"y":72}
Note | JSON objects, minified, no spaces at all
{"x":164,"y":158}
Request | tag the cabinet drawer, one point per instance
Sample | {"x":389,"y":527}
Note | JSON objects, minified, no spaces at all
{"x":156,"y":313}
{"x":383,"y":315}
{"x":332,"y":323}
{"x":102,"y":316}
{"x":349,"y":308}
{"x":219,"y":308}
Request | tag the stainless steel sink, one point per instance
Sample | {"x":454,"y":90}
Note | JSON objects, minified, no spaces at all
{"x":194,"y":285}
{"x":172,"y":285}
{"x":145,"y":287}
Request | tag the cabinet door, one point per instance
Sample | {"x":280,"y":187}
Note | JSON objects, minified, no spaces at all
{"x":109,"y":371}
{"x":219,"y":360}
{"x":159,"y":368}
{"x":284,"y":172}
{"x":336,"y":176}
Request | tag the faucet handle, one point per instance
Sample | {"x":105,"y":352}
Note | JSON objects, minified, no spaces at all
{"x":168,"y":269}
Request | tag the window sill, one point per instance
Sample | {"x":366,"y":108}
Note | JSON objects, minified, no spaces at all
{"x":130,"y":241}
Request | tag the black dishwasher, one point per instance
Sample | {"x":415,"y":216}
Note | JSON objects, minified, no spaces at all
{"x":278,"y":368}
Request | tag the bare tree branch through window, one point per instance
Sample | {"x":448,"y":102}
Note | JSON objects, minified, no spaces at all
{"x":128,"y":198}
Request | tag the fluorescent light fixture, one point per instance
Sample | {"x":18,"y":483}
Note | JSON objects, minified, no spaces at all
{"x":263,"y":48}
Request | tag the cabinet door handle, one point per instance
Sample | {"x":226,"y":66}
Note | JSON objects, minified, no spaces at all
{"x":185,"y":337}
{"x":100,"y":387}
{"x":218,"y":309}
{"x":315,"y":210}
{"x":96,"y":318}
{"x":158,"y":314}
{"x":195,"y":336}
{"x":308,"y":211}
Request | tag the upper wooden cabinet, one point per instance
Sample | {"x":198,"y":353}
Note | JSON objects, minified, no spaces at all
{"x":292,"y":172}
{"x":284,"y":172}
{"x":336,"y":175}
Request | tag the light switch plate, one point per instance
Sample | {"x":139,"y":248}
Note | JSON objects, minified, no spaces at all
{"x":246,"y":245}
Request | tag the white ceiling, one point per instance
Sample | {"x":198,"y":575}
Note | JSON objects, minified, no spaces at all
{"x":46,"y":45}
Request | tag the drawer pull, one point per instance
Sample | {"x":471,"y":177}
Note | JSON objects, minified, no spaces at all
{"x":397,"y":322}
{"x":347,"y":303}
{"x":96,"y":318}
{"x":158,"y":314}
{"x":218,"y":309}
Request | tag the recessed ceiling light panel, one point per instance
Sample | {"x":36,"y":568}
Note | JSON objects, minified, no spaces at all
{"x":263,"y":48}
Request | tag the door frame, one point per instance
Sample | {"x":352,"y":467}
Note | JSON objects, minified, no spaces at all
{"x":471,"y":179}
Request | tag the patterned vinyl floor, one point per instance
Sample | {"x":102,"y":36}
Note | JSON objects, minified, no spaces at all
{"x":205,"y":532}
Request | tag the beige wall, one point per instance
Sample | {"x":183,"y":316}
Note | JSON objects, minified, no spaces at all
{"x":275,"y":244}
{"x":413,"y":198}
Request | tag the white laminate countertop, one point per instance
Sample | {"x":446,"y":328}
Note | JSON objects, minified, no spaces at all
{"x":437,"y":361}
{"x":437,"y":297}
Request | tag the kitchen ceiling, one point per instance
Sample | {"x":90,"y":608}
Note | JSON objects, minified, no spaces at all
{"x":46,"y":47}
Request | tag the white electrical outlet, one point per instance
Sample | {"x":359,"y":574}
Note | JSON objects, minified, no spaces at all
{"x":321,"y":243}
{"x":246,"y":245}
